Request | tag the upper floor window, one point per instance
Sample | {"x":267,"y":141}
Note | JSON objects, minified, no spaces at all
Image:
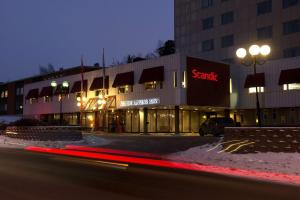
{"x":227,"y":41}
{"x":292,"y":26}
{"x":264,"y":7}
{"x":101,"y":92}
{"x":208,"y":45}
{"x":33,"y":100}
{"x":175,"y":79}
{"x":289,"y":3}
{"x":47,"y":99}
{"x":125,"y":89}
{"x":259,"y":90}
{"x":208,"y":23}
{"x":227,"y":18}
{"x":19,"y":91}
{"x":291,"y":52}
{"x":265,"y":33}
{"x":206,"y":3}
{"x":4,"y":94}
{"x":153,"y":85}
{"x":291,"y":86}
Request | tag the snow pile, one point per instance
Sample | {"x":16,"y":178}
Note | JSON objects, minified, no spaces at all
{"x":287,"y":163}
{"x":88,"y":140}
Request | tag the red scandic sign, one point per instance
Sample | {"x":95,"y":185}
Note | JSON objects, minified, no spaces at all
{"x":211,"y":76}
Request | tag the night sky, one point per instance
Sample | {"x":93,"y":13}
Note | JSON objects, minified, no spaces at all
{"x":38,"y":32}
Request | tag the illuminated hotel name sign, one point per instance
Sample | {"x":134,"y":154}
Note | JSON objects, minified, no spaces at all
{"x":211,"y":76}
{"x":140,"y":102}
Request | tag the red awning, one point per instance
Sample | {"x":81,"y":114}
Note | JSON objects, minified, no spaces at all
{"x":289,"y":76}
{"x":98,"y":83}
{"x":257,"y":80}
{"x":60,"y":90}
{"x":122,"y":79}
{"x":47,"y":92}
{"x":77,"y":86}
{"x":33,"y":94}
{"x":152,"y":74}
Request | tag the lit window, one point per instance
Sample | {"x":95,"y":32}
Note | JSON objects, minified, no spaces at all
{"x":292,"y":86}
{"x":175,"y":79}
{"x":33,"y":100}
{"x":47,"y":99}
{"x":259,"y":90}
{"x":230,"y":86}
{"x":125,"y":89}
{"x":153,"y":85}
{"x":183,"y":83}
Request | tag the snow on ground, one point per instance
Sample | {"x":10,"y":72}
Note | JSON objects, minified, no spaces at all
{"x":287,"y":163}
{"x":88,"y":140}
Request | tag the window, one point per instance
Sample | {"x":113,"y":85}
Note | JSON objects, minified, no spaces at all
{"x":4,"y":94}
{"x":289,"y":3}
{"x":265,"y":33}
{"x":175,"y":79}
{"x":100,"y":92}
{"x":153,"y":85}
{"x":292,"y":26}
{"x":291,"y":86}
{"x":33,"y":100}
{"x":47,"y":99}
{"x":183,"y":83}
{"x":208,"y":23}
{"x":230,"y":85}
{"x":291,"y":52}
{"x":227,"y":18}
{"x":206,"y":3}
{"x":125,"y":89}
{"x":259,"y":90}
{"x":19,"y":91}
{"x":264,"y":7}
{"x":208,"y":45}
{"x":227,"y":41}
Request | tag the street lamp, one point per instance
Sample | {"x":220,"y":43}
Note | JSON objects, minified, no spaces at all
{"x":255,"y":53}
{"x":61,"y":88}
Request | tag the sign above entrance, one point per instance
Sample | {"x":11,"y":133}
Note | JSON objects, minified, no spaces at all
{"x":140,"y":102}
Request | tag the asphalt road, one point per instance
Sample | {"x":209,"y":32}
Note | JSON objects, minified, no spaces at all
{"x":26,"y":175}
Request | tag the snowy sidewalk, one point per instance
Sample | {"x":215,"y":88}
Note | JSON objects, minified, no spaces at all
{"x":287,"y":163}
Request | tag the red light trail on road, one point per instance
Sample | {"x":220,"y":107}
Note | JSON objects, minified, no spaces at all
{"x":284,"y":178}
{"x":112,"y":151}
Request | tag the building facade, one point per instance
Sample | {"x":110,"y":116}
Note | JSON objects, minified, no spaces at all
{"x":214,"y":29}
{"x":169,"y":94}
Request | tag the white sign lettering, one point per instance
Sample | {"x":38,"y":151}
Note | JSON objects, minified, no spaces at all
{"x":140,"y":102}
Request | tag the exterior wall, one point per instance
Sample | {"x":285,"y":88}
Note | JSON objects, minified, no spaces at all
{"x":189,"y":33}
{"x":168,"y":94}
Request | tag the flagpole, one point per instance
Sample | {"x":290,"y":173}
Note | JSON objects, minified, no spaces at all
{"x":81,"y":91}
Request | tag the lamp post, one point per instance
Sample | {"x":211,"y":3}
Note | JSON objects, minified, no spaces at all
{"x":255,"y":54}
{"x":62,"y":88}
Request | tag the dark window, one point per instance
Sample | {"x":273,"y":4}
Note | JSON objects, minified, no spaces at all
{"x":289,"y":3}
{"x":291,"y":52}
{"x":227,"y":41}
{"x":208,"y":23}
{"x":264,"y":33}
{"x":227,"y":18}
{"x":291,"y":27}
{"x":206,"y":3}
{"x":208,"y":45}
{"x":264,"y":7}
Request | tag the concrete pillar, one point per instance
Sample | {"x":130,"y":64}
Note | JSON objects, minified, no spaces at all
{"x":145,"y":120}
{"x":177,"y":131}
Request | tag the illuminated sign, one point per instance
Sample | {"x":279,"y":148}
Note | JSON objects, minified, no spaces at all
{"x":140,"y":102}
{"x":211,"y":76}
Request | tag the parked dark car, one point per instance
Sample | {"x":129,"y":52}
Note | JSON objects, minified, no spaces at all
{"x":215,"y":126}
